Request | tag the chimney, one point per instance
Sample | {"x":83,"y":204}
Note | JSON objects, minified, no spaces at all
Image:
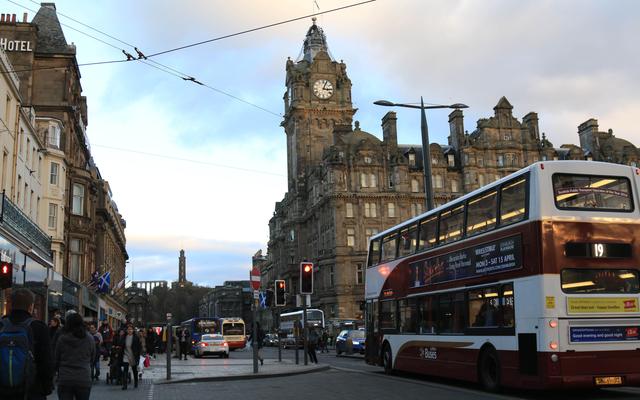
{"x":2,"y":18}
{"x":456,"y":129}
{"x":390,"y":130}
{"x":13,"y":18}
{"x":588,"y":134}
{"x":24,"y":18}
{"x":531,"y":122}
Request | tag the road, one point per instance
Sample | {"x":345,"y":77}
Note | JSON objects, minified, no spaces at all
{"x":348,"y":378}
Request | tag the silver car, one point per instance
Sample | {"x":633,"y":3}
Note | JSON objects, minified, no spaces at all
{"x":212,"y":344}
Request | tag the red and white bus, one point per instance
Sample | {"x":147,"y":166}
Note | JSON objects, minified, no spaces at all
{"x":531,"y":281}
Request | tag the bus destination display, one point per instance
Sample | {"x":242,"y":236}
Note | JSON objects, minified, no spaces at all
{"x":487,"y":258}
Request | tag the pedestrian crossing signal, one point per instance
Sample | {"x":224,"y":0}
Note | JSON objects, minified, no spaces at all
{"x":6,"y":275}
{"x":281,"y":289}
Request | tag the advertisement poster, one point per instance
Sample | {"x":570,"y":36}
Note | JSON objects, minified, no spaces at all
{"x":590,"y":305}
{"x":487,"y":258}
{"x":604,"y":334}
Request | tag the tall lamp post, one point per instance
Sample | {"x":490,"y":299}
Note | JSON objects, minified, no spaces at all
{"x":426,"y":154}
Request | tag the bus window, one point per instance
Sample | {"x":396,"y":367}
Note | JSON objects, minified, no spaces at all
{"x":408,"y":316}
{"x":428,"y":233}
{"x":408,"y":239}
{"x":388,"y":315}
{"x":374,"y":252}
{"x":427,"y":310}
{"x":451,"y":223}
{"x":389,"y":247}
{"x":598,"y":281}
{"x":513,"y":200}
{"x":484,"y":306}
{"x":506,"y":301}
{"x":451,"y":313}
{"x":592,"y":192}
{"x":481,"y":213}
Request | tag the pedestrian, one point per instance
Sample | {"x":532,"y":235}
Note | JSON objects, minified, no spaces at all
{"x":143,"y":340}
{"x":260,"y":340}
{"x":97,"y":337}
{"x":54,"y":326}
{"x":151,"y":343}
{"x":107,"y":338}
{"x":183,"y":337}
{"x":129,"y":356}
{"x":32,"y":337}
{"x":325,"y":342}
{"x":311,"y":346}
{"x":74,"y":355}
{"x":54,"y":341}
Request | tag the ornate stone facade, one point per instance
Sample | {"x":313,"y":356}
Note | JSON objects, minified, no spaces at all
{"x":346,"y":184}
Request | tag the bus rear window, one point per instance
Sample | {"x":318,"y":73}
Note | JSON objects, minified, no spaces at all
{"x":598,"y":281}
{"x":374,"y":252}
{"x":592,"y":192}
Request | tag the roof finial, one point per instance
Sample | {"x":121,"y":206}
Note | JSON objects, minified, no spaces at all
{"x":314,"y":20}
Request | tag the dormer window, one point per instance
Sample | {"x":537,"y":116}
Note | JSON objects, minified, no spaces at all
{"x":412,"y":159}
{"x":451,"y":160}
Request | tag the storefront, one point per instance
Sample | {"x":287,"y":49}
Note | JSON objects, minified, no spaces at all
{"x":90,"y":304}
{"x":70,"y":292}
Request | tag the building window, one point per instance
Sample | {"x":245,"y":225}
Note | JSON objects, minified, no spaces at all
{"x":331,"y":276}
{"x":5,"y":159}
{"x":77,"y":207}
{"x":481,"y":180}
{"x":434,"y":161}
{"x":351,"y":237}
{"x":28,"y":155}
{"x":391,"y":210}
{"x":53,"y":215}
{"x":54,"y":136}
{"x":454,"y":186}
{"x":500,"y":160}
{"x":374,"y":180}
{"x":370,"y":210}
{"x":349,"y":210}
{"x":480,"y":161}
{"x":370,"y":232}
{"x":508,"y":136}
{"x":390,"y":181}
{"x":18,"y":191}
{"x":414,"y":186}
{"x":359,"y":274}
{"x":412,"y":159}
{"x":363,"y":180}
{"x":452,"y":160}
{"x":437,"y":182}
{"x":53,"y":176}
{"x":367,"y":160}
{"x":75,"y":264}
{"x":416,"y":209}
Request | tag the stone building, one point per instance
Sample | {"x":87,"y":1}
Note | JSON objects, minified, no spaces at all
{"x":345,"y":185}
{"x":231,"y":299}
{"x":77,"y":218}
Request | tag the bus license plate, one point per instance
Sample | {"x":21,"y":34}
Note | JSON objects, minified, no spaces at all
{"x":608,"y":380}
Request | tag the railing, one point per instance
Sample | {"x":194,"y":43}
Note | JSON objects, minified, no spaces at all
{"x":12,"y":216}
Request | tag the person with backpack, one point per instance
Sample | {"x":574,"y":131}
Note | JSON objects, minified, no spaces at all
{"x":24,"y":346}
{"x":107,"y":338}
{"x":74,"y":355}
{"x":97,"y":337}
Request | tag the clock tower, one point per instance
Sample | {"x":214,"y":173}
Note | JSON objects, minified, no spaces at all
{"x":318,"y":98}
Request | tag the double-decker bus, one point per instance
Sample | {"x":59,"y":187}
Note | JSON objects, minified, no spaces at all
{"x":198,"y":327}
{"x":289,"y":337}
{"x":531,"y":282}
{"x":234,"y":332}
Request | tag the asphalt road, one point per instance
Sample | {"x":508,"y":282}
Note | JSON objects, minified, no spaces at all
{"x":349,"y":378}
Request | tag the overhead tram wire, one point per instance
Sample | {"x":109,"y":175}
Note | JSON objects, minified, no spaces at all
{"x":259,"y":28}
{"x":143,"y":59}
{"x":187,"y":160}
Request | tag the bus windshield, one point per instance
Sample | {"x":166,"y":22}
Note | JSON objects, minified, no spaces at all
{"x":204,"y":326}
{"x":592,"y":192}
{"x":233,"y":328}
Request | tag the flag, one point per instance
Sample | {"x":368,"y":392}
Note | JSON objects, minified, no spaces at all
{"x":104,"y":283}
{"x":94,"y":280}
{"x":120,"y":284}
{"x":262,"y":299}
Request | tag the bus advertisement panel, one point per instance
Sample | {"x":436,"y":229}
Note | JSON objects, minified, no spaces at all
{"x":531,"y":281}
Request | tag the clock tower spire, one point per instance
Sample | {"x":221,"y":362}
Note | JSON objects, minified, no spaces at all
{"x":318,"y":97}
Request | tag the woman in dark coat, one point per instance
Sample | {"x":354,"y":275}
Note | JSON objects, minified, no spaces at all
{"x":129,"y":356}
{"x":74,"y":353}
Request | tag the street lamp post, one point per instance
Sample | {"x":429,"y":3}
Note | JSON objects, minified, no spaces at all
{"x":424,"y":130}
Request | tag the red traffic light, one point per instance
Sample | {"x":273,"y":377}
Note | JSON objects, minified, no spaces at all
{"x":307,"y":267}
{"x":5,"y":269}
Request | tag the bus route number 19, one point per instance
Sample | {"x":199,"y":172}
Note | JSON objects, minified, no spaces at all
{"x":598,"y":250}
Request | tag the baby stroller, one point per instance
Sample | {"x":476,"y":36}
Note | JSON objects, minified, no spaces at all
{"x":115,"y":369}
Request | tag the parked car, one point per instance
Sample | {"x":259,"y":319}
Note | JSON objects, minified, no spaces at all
{"x":270,"y":339}
{"x":350,"y":341}
{"x":290,"y":342}
{"x":212,"y":344}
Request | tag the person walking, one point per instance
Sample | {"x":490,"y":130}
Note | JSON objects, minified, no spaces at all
{"x":107,"y":338}
{"x":18,"y":322}
{"x":74,"y":355}
{"x":129,"y":356}
{"x":54,"y":326}
{"x":97,"y":337}
{"x":311,"y":346}
{"x":151,"y":343}
{"x":324,"y":342}
{"x":183,"y":337}
{"x":260,"y":342}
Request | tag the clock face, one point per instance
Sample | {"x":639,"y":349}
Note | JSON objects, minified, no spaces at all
{"x":323,"y":89}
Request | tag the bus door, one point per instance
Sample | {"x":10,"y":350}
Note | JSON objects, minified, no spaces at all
{"x":372,"y":347}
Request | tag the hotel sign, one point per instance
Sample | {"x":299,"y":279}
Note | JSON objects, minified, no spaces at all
{"x":15,"y":45}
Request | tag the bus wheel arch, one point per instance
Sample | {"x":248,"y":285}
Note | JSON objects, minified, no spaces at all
{"x":489,"y":372}
{"x":387,"y":358}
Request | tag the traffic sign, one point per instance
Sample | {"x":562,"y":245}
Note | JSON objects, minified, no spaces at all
{"x":255,"y":278}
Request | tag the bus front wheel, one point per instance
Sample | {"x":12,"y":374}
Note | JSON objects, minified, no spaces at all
{"x":489,"y":369}
{"x":387,"y":360}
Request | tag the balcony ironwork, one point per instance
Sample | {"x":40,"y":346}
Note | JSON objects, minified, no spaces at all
{"x":13,"y":217}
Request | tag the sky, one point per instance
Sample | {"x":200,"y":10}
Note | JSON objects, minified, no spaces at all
{"x":194,"y":168}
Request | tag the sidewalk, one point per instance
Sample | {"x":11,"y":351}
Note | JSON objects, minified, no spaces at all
{"x":217,"y":369}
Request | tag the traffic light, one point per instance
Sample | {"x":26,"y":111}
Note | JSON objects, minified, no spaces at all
{"x":6,"y":275}
{"x":281,"y":289}
{"x":306,"y":278}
